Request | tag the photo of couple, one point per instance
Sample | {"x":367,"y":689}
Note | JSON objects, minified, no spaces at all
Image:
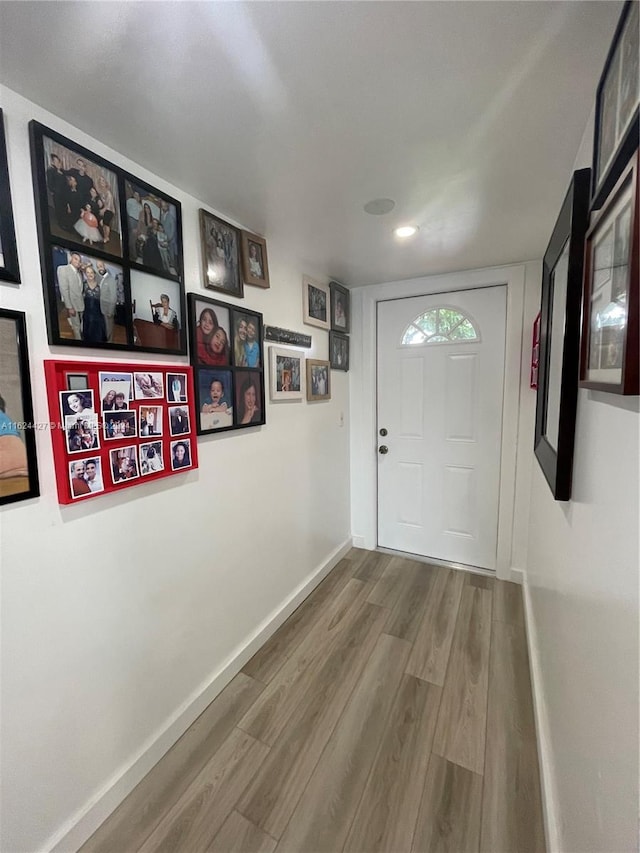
{"x":221,"y":254}
{"x":82,"y":198}
{"x":85,"y":477}
{"x":81,"y":433}
{"x":124,"y":464}
{"x":89,"y":298}
{"x":151,"y":460}
{"x":152,"y":223}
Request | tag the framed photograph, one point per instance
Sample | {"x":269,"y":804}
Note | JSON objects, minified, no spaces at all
{"x":255,"y":267}
{"x":9,"y":268}
{"x":124,"y":464}
{"x":247,"y":338}
{"x":148,"y":386}
{"x":220,"y":254}
{"x":339,"y":351}
{"x":611,"y":303}
{"x":340,"y":308}
{"x":315,"y":303}
{"x":151,"y":460}
{"x":85,"y":477}
{"x":119,"y":425}
{"x":154,"y":229}
{"x":99,"y":291}
{"x":81,"y":433}
{"x":18,"y":465}
{"x":286,"y":374}
{"x":215,"y":400}
{"x":179,"y":423}
{"x":150,"y":421}
{"x":210,"y":336}
{"x":559,"y":341}
{"x":181,"y":454}
{"x":116,"y":390}
{"x":617,"y":100}
{"x":177,"y":387}
{"x":318,"y":380}
{"x":248,"y":398}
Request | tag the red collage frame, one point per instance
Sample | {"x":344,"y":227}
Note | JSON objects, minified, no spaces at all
{"x":58,"y":375}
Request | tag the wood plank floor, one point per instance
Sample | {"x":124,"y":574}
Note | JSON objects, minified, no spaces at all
{"x":391,"y":712}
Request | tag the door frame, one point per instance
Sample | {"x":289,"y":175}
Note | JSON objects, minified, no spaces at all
{"x":363,"y":403}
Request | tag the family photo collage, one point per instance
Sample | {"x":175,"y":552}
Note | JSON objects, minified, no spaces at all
{"x":118,"y":424}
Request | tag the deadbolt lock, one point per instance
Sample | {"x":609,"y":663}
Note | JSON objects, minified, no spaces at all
{"x":383,"y":449}
{"x":383,"y":431}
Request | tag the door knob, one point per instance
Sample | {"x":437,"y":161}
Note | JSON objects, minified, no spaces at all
{"x":383,"y":449}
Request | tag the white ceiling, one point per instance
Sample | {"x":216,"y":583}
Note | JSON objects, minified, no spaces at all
{"x":289,"y":116}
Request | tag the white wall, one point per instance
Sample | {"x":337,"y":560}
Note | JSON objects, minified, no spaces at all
{"x":582,"y":596}
{"x":119,"y":613}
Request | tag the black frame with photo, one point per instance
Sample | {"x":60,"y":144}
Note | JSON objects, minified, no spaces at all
{"x":232,"y":369}
{"x":207,"y":222}
{"x":334,"y":339}
{"x":560,"y":325}
{"x":9,"y":267}
{"x":337,"y":290}
{"x":624,"y":140}
{"x":27,"y":430}
{"x":51,"y":241}
{"x":625,"y":302}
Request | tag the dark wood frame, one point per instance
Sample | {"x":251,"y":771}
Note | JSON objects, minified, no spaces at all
{"x":18,"y":317}
{"x":10,"y":271}
{"x":603,"y":182}
{"x":206,"y":220}
{"x":336,"y":288}
{"x":235,"y":312}
{"x":570,"y":228}
{"x":630,"y":379}
{"x":333,"y":336}
{"x":48,"y":241}
{"x":247,"y":237}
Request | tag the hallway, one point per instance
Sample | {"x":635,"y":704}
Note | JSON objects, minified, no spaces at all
{"x":391,"y":712}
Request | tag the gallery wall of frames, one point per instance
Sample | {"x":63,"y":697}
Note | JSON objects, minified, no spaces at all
{"x":591,"y":272}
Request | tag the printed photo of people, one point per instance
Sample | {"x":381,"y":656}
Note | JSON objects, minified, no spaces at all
{"x":318,"y":382}
{"x":90,"y":303}
{"x":179,"y":420}
{"x":118,"y":425}
{"x":124,"y":464}
{"x":339,"y":351}
{"x":157,"y":312}
{"x":180,"y":454}
{"x":150,"y":420}
{"x":221,"y":250}
{"x":248,"y":397}
{"x":177,"y":387}
{"x":215,"y":399}
{"x":317,"y":303}
{"x":82,"y":198}
{"x":76,"y":403}
{"x":81,"y":433}
{"x":148,"y":385}
{"x":152,"y":223}
{"x":212,"y":334}
{"x":85,"y":477}
{"x":246,"y":343}
{"x":151,"y":460}
{"x":287,"y":373}
{"x":339,"y":307}
{"x":116,"y":391}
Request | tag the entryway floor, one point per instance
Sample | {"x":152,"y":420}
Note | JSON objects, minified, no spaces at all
{"x":391,"y":712}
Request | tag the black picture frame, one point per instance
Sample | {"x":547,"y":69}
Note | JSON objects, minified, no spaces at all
{"x":220,"y":246}
{"x":228,"y":367}
{"x":165,"y":262}
{"x":139,"y":319}
{"x":339,"y":351}
{"x":611,"y":299}
{"x":557,"y":396}
{"x":340,"y":308}
{"x":617,"y":107}
{"x":18,"y":433}
{"x":9,"y":266}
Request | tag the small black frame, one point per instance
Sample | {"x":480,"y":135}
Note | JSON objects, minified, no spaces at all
{"x":340,"y":308}
{"x":134,"y":328}
{"x":9,"y":267}
{"x":339,"y":351}
{"x":230,"y":369}
{"x":26,"y":427}
{"x":617,"y":101}
{"x":567,"y":243}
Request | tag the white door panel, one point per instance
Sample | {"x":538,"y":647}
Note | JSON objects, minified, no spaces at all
{"x":441,"y":403}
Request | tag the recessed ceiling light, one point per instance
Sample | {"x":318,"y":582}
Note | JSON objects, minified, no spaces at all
{"x":406,"y":231}
{"x":379,"y":206}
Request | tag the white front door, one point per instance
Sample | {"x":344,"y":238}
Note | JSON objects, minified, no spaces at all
{"x":440,"y":389}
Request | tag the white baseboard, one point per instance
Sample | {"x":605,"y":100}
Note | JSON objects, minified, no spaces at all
{"x":545,"y":754}
{"x":358,"y":542}
{"x":74,"y":832}
{"x":517,"y":576}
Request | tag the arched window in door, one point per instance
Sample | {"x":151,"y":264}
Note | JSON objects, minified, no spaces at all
{"x":440,"y":325}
